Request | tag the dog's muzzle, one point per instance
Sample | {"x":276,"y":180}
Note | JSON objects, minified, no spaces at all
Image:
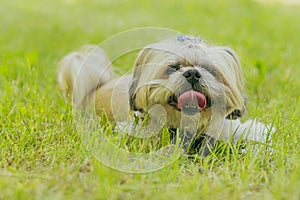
{"x":191,"y":101}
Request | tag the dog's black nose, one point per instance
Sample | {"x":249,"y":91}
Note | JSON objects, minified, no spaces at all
{"x":192,"y":76}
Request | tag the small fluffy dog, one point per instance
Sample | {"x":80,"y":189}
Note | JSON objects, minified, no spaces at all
{"x":197,"y":88}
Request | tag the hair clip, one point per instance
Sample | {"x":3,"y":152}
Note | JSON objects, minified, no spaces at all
{"x":188,"y":39}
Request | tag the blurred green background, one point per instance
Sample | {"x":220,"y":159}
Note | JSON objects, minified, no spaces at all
{"x":40,"y":154}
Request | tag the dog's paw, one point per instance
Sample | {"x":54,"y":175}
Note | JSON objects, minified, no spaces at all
{"x":249,"y":130}
{"x":257,"y":131}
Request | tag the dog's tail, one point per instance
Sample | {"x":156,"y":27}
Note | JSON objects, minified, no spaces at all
{"x":81,"y":73}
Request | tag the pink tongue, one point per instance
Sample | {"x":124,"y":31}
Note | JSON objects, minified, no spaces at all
{"x":190,"y":99}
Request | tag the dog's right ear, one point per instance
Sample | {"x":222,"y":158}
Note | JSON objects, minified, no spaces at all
{"x":132,"y":91}
{"x":141,"y":60}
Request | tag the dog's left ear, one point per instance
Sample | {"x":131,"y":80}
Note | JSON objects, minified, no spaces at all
{"x":237,"y":113}
{"x":142,"y":58}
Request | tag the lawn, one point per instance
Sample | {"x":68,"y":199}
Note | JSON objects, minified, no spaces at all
{"x":41,"y":153}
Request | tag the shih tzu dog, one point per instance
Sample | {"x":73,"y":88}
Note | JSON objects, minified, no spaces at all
{"x":197,"y":89}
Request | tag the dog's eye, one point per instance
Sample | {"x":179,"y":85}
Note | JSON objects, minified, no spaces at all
{"x":173,"y":68}
{"x":211,"y":70}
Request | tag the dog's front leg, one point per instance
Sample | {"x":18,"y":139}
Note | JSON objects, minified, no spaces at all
{"x":191,"y":144}
{"x":249,"y":130}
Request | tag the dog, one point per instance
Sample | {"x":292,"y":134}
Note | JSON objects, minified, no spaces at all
{"x":198,"y":89}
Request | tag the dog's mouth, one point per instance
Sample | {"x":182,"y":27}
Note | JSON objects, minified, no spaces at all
{"x":190,"y":102}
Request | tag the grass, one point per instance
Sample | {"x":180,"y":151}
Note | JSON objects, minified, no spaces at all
{"x":41,"y":155}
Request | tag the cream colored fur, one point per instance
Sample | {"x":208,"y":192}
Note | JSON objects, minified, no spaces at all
{"x":81,"y":73}
{"x":85,"y":76}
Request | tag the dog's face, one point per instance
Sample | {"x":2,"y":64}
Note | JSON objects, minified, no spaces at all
{"x":187,"y":77}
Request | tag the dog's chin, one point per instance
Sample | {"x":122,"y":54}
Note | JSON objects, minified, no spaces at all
{"x":190,"y":102}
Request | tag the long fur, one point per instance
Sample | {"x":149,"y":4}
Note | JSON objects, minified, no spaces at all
{"x":85,"y":76}
{"x":151,"y":85}
{"x":81,"y":73}
{"x":154,"y":58}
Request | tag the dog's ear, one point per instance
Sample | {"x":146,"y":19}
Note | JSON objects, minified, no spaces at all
{"x":237,"y":113}
{"x":132,"y":90}
{"x":142,"y":58}
{"x":232,"y":54}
